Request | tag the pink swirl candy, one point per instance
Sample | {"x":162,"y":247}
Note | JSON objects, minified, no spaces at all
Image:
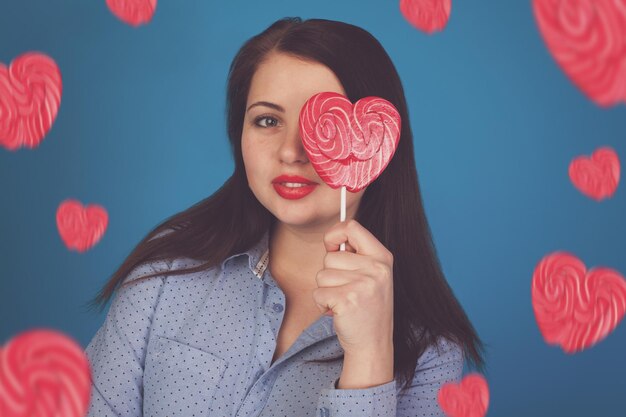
{"x":81,"y":227}
{"x":30,"y":96}
{"x":133,"y":12}
{"x":43,"y":373}
{"x":349,"y":145}
{"x":588,"y":40}
{"x":576,"y":308}
{"x":598,"y":176}
{"x":469,"y":398}
{"x":426,"y":15}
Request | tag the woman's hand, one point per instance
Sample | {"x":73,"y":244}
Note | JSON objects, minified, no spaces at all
{"x":356,"y":287}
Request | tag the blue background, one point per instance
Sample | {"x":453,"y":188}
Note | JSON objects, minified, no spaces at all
{"x":141,"y":130}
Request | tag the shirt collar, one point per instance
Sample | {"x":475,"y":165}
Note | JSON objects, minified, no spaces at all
{"x":258,"y":260}
{"x":258,"y":256}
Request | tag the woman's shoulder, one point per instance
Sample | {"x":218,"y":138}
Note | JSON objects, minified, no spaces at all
{"x":144,"y":269}
{"x":441,"y":351}
{"x":172,"y":270}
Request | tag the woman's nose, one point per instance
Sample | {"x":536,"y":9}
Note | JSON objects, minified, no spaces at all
{"x":292,"y":149}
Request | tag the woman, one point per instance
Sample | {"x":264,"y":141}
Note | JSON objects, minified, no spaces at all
{"x":243,"y":305}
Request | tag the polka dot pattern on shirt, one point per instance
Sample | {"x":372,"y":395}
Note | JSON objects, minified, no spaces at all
{"x":202,"y":345}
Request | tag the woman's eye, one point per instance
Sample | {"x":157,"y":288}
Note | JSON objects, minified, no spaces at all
{"x":258,"y":119}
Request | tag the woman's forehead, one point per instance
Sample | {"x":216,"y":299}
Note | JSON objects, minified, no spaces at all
{"x":285,"y":80}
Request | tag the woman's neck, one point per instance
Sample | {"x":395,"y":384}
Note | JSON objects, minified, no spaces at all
{"x":295,"y":257}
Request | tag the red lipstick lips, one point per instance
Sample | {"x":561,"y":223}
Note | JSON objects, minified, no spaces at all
{"x":293,"y":192}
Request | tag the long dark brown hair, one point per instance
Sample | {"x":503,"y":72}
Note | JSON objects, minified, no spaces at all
{"x":232,"y":220}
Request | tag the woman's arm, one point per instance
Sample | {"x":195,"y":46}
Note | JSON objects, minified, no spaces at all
{"x":434,"y":368}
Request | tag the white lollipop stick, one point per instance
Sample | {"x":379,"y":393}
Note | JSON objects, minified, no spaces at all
{"x":342,"y":214}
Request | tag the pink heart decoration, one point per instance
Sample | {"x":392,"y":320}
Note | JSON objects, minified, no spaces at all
{"x":576,"y":308}
{"x":469,"y":398}
{"x":80,"y":227}
{"x":596,"y":177}
{"x":43,"y":373}
{"x":588,"y":40}
{"x":30,"y":96}
{"x":426,"y":15}
{"x":349,"y":145}
{"x":133,"y":12}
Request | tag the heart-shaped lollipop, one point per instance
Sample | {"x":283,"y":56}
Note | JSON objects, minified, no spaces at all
{"x":30,"y":96}
{"x":576,"y":308}
{"x":588,"y":41}
{"x":133,"y":12}
{"x":469,"y":398}
{"x":81,"y":227}
{"x":349,"y":145}
{"x":596,"y":176}
{"x":427,"y":15}
{"x":44,"y":373}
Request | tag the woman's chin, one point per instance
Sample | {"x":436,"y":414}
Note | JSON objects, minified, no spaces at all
{"x":312,"y":222}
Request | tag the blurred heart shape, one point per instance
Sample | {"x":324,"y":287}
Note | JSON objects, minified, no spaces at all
{"x":133,"y":12}
{"x":30,"y":96}
{"x":44,"y":373}
{"x":597,"y":176}
{"x":469,"y":398}
{"x":81,"y":227}
{"x":576,"y":308}
{"x":349,"y":145}
{"x":587,"y":39}
{"x":426,"y":15}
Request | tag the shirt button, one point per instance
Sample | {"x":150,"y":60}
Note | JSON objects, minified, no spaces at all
{"x":278,"y":307}
{"x":324,"y":412}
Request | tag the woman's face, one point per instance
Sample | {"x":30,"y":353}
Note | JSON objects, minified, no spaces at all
{"x":272,"y":146}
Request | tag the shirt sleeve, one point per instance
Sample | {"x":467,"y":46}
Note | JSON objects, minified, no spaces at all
{"x":434,"y":368}
{"x":116,"y":353}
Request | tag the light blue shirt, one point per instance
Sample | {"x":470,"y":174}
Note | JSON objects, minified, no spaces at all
{"x":201,"y":344}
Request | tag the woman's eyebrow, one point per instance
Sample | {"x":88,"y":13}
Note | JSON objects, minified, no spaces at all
{"x":268,"y":104}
